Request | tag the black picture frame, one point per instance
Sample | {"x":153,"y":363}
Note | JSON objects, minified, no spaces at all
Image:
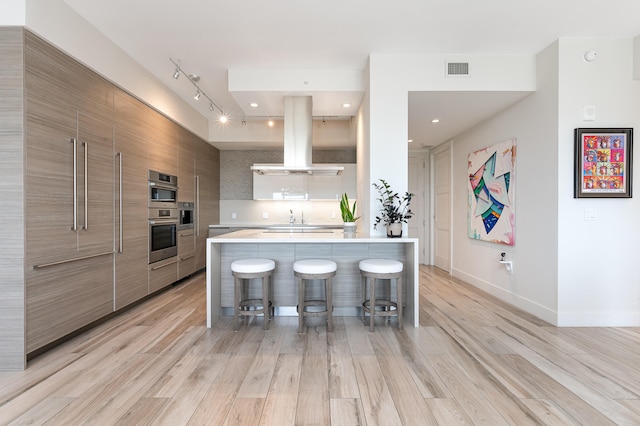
{"x":603,"y":162}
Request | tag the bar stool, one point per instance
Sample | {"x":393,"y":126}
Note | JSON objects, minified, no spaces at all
{"x":315,"y":269}
{"x":381,"y":269}
{"x":248,"y":269}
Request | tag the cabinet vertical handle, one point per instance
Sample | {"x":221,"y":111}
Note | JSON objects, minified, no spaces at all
{"x":74,"y":141}
{"x":197,"y":205}
{"x":120,"y":198}
{"x":86,"y":180}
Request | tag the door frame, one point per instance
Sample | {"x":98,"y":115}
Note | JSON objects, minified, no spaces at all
{"x":432,"y":201}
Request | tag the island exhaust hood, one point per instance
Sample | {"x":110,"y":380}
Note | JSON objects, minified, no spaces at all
{"x":298,"y":133}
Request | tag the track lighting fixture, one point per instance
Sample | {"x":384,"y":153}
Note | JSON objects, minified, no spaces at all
{"x":194,"y":78}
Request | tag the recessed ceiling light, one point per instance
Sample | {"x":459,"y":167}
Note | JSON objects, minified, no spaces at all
{"x":410,"y":140}
{"x":346,"y":105}
{"x":270,"y":123}
{"x":435,"y":120}
{"x":253,"y":105}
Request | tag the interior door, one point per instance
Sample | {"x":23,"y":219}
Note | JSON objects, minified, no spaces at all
{"x":442,"y":209}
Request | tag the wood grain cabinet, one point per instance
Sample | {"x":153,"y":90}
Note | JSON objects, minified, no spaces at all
{"x":186,"y":252}
{"x":187,"y":143}
{"x":207,"y":196}
{"x":69,"y":195}
{"x":88,"y":148}
{"x":131,"y":193}
{"x":162,"y":143}
{"x":186,"y":165}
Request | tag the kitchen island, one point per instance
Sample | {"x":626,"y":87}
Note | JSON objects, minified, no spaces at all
{"x":285,"y":246}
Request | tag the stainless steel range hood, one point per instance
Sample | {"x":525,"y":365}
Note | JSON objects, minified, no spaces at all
{"x":298,"y":134}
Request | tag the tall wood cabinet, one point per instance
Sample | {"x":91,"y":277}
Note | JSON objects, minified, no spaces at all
{"x":187,"y":142}
{"x":88,"y":148}
{"x":207,"y":196}
{"x":69,"y":195}
{"x":131,"y":194}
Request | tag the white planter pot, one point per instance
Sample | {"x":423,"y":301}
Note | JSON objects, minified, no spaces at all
{"x":349,"y":227}
{"x":394,"y":230}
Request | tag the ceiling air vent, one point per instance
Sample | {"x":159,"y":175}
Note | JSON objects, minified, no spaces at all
{"x":457,"y":69}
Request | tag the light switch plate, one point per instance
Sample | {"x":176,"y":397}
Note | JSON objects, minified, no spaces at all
{"x":265,"y":215}
{"x":588,"y":113}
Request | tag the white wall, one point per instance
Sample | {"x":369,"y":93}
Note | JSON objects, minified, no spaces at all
{"x":568,"y":271}
{"x":599,"y":268}
{"x":533,"y":123}
{"x":392,"y":77}
{"x":13,"y":12}
{"x":249,"y":212}
{"x":63,"y":27}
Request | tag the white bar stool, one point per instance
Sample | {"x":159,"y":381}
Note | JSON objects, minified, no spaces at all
{"x":315,"y":269}
{"x":248,"y":269}
{"x":381,"y":269}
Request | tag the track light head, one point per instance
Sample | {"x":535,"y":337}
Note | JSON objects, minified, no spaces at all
{"x":197,"y":95}
{"x":176,"y":73}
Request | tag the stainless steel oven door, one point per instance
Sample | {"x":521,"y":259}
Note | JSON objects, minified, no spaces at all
{"x":162,"y":239}
{"x":162,"y":195}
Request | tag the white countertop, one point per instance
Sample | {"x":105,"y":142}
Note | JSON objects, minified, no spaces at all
{"x":307,"y":236}
{"x":271,"y":225}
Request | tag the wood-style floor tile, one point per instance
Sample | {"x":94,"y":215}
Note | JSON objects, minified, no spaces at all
{"x":474,"y":360}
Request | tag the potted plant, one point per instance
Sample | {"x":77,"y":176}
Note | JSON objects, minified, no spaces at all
{"x":395,"y":208}
{"x":348,"y":214}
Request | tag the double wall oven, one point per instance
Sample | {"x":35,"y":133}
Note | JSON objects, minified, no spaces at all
{"x":163,"y":216}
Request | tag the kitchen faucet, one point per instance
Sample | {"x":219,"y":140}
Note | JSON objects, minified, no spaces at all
{"x":292,"y":219}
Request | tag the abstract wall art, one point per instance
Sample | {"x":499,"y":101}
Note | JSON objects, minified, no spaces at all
{"x":492,"y":188}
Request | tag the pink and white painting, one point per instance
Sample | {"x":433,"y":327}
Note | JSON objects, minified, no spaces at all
{"x":492,"y":190}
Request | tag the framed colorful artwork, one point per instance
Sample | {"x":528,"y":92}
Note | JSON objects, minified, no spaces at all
{"x":603,"y":163}
{"x":492,"y":191}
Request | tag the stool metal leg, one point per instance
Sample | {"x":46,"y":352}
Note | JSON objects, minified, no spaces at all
{"x":372,"y":302}
{"x":265,"y":300}
{"x":363,"y":286}
{"x":300,"y":304}
{"x":399,"y":286}
{"x":237,"y":283}
{"x":329,"y":299}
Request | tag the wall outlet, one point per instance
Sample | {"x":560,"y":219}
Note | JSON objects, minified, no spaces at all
{"x":333,"y":215}
{"x":234,"y":215}
{"x":265,"y":215}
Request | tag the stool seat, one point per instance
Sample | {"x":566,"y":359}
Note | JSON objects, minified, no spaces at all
{"x":315,"y":266}
{"x":381,"y":266}
{"x":252,"y":266}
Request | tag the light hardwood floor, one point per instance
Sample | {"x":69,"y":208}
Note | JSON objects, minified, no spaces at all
{"x":473,"y":360}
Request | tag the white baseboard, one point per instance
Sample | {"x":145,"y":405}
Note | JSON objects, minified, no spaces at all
{"x":526,"y":305}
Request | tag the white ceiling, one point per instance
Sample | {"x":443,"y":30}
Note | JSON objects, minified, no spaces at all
{"x":209,"y":38}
